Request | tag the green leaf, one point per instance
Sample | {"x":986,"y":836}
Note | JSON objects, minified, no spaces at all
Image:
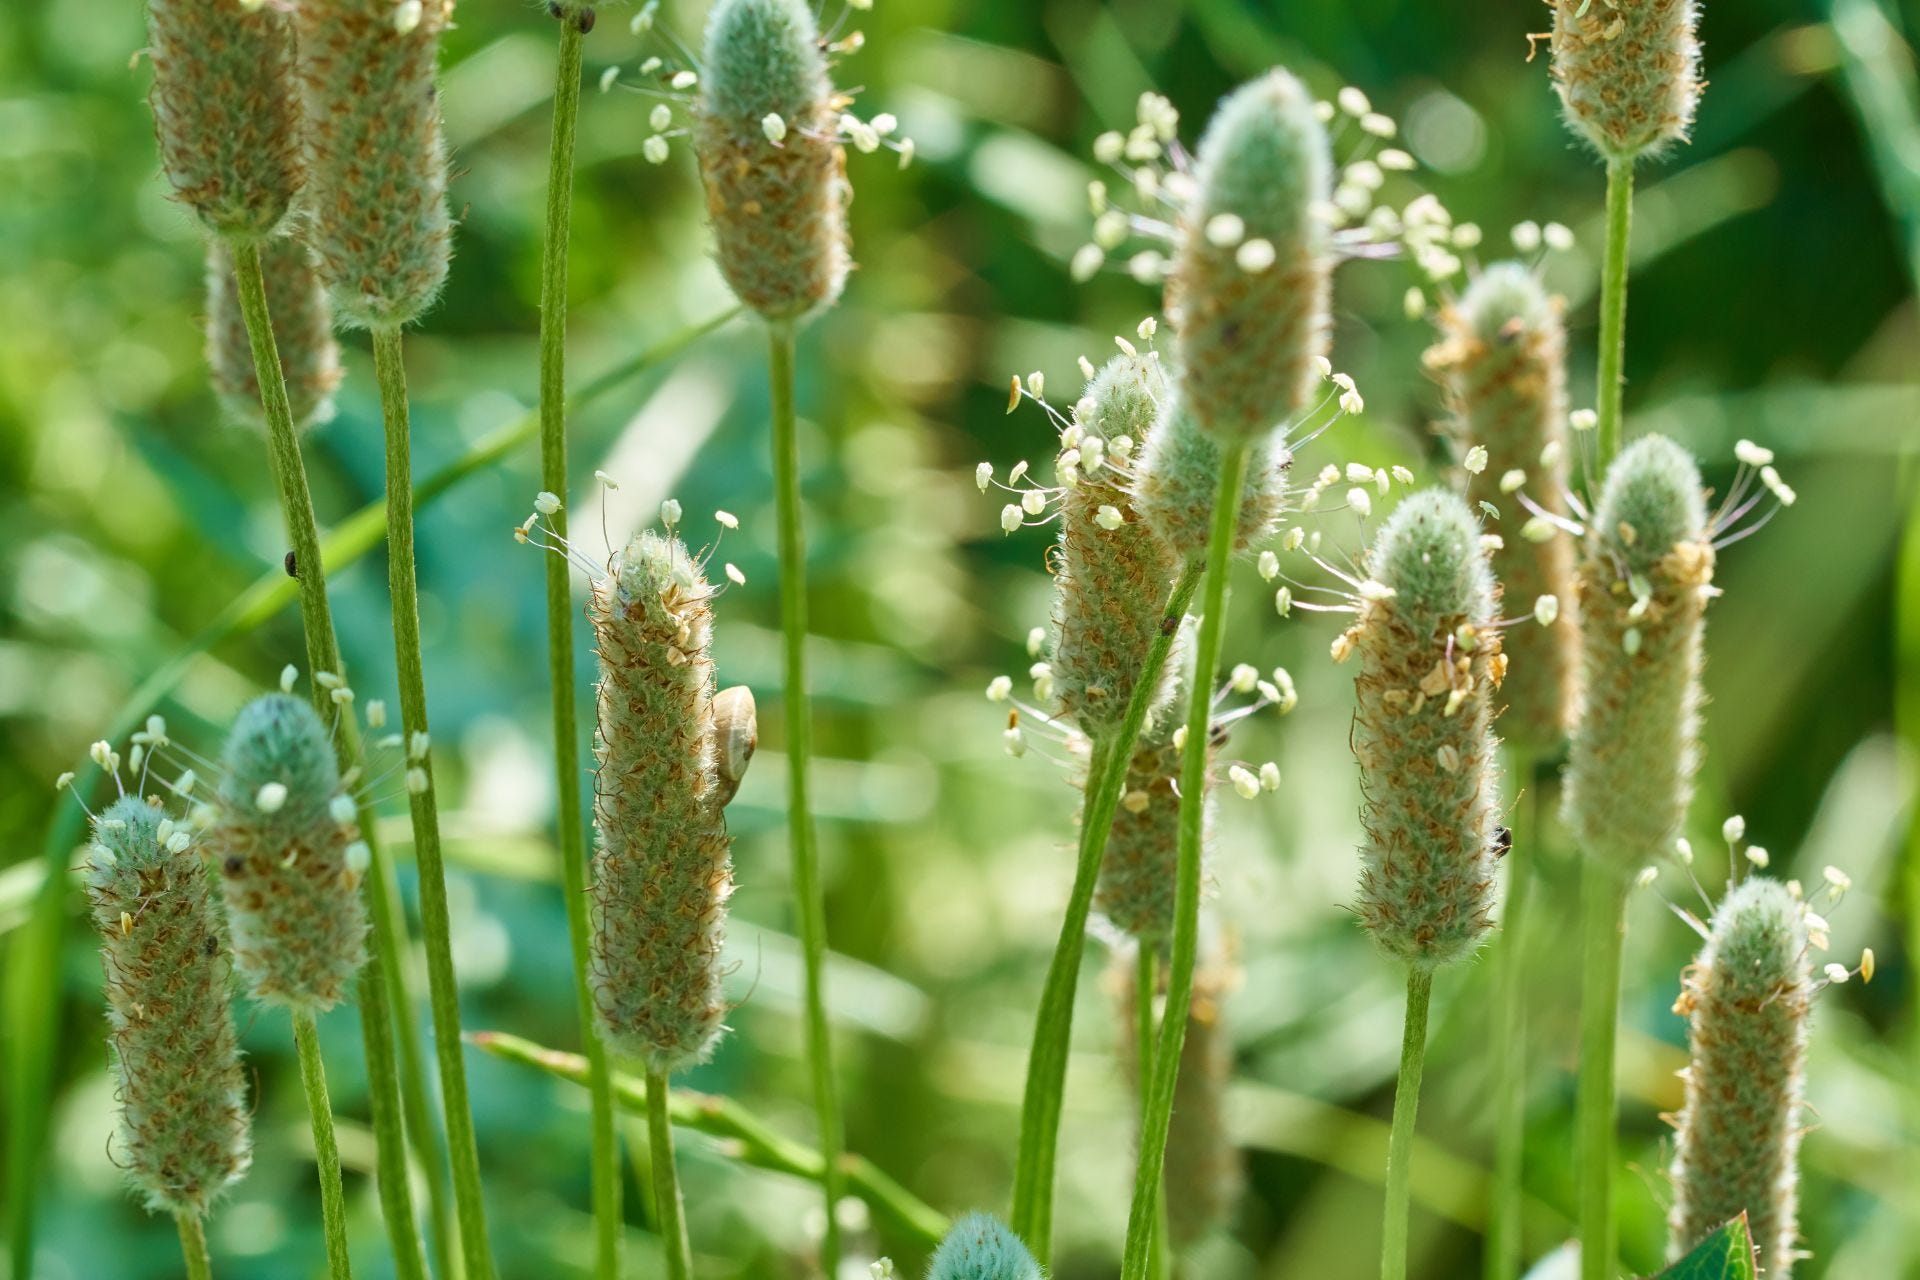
{"x":1727,"y":1254}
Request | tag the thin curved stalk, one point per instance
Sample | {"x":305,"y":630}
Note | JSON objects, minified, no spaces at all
{"x":1144,"y":980}
{"x":382,"y":986}
{"x":1604,"y":906}
{"x":1406,"y":1107}
{"x":1613,"y":309}
{"x":1032,"y":1215}
{"x":193,"y":1246}
{"x":810,"y":903}
{"x":442,"y":992}
{"x":670,"y":1211}
{"x":326,"y":1151}
{"x":1504,"y":1213}
{"x":1186,"y":903}
{"x":605,"y":1157}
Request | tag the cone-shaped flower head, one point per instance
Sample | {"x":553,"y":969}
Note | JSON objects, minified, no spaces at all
{"x":776,"y":195}
{"x":377,"y":183}
{"x":1502,"y":361}
{"x":1644,"y":580}
{"x":184,"y":1123}
{"x":1628,"y":71}
{"x":1113,"y":571}
{"x":302,"y":331}
{"x":978,"y":1247}
{"x":1253,"y":265}
{"x":289,"y":857}
{"x":226,"y":110}
{"x":1746,"y":1000}
{"x":1430,"y":665}
{"x":663,"y":870}
{"x":1178,"y":476}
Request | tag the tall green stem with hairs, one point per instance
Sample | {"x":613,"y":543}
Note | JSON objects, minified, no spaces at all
{"x":1504,"y":1246}
{"x":1613,"y":310}
{"x":193,"y":1246}
{"x":382,"y":987}
{"x":1032,"y":1216}
{"x":326,"y":1151}
{"x":1406,"y":1108}
{"x":670,"y":1212}
{"x":1604,"y":907}
{"x":566,"y":728}
{"x":809,"y":899}
{"x":1145,"y":979}
{"x":443,"y":994}
{"x":1186,"y":903}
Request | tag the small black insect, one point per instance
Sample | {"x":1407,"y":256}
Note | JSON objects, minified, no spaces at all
{"x":293,"y":565}
{"x":211,"y":946}
{"x":585,"y":19}
{"x":1502,"y":841}
{"x":553,"y":9}
{"x":234,"y":864}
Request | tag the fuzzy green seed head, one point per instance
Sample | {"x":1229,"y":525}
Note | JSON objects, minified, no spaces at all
{"x":287,"y":851}
{"x":1178,"y":477}
{"x":1430,"y":666}
{"x":1502,"y":361}
{"x":185,"y":1132}
{"x":663,"y":870}
{"x":1746,"y":999}
{"x":1644,"y":579}
{"x":1250,"y":309}
{"x":1628,"y":72}
{"x":302,"y":332}
{"x":778,"y":208}
{"x":978,"y":1247}
{"x":226,"y":110}
{"x":1110,"y":583}
{"x":377,"y":187}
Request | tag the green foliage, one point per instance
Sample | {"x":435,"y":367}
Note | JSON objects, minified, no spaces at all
{"x":980,"y":1248}
{"x":1727,"y":1254}
{"x":1628,"y":74}
{"x":302,"y":333}
{"x":185,"y":1131}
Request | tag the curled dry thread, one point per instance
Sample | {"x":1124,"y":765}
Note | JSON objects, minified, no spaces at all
{"x":289,"y":858}
{"x":663,"y":870}
{"x":1502,"y":361}
{"x":980,"y":1247}
{"x":302,"y":332}
{"x":1627,"y":71}
{"x":377,"y":177}
{"x":184,"y":1124}
{"x":1644,"y":581}
{"x":778,"y":205}
{"x":1746,"y":1000}
{"x":1430,"y":664}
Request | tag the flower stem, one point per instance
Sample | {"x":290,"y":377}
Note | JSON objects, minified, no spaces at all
{"x":1032,"y":1216}
{"x":1613,"y":308}
{"x":1406,"y":1106}
{"x":1186,"y":902}
{"x":1504,"y":1249}
{"x":442,"y":992}
{"x":1144,"y":982}
{"x":193,"y":1246}
{"x":326,"y":1152}
{"x":670,"y":1212}
{"x":809,"y":902}
{"x":382,"y":987}
{"x":605,"y":1156}
{"x":1604,"y":905}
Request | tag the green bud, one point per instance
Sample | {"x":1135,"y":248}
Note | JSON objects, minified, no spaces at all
{"x":978,"y":1247}
{"x":184,"y":1121}
{"x":1628,"y":72}
{"x":1430,"y":665}
{"x":1179,"y":476}
{"x":302,"y":332}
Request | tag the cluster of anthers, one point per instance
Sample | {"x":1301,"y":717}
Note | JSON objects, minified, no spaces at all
{"x":672,"y":78}
{"x":1745,"y":858}
{"x":1444,"y":249}
{"x":533,"y":532}
{"x":1154,"y":182}
{"x":195,"y":783}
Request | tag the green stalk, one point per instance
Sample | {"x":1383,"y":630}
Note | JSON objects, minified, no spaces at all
{"x":193,"y":1246}
{"x":809,"y":902}
{"x":443,"y":994}
{"x":1613,"y":308}
{"x":670,"y":1211}
{"x":1143,"y":984}
{"x":1604,"y":906}
{"x":326,"y":1152}
{"x":382,"y":986}
{"x":1406,"y":1106}
{"x":1186,"y":902}
{"x":1032,"y":1215}
{"x":1504,"y":1246}
{"x":566,"y":730}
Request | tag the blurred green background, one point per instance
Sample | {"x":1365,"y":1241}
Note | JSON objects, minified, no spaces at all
{"x":1773,"y":297}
